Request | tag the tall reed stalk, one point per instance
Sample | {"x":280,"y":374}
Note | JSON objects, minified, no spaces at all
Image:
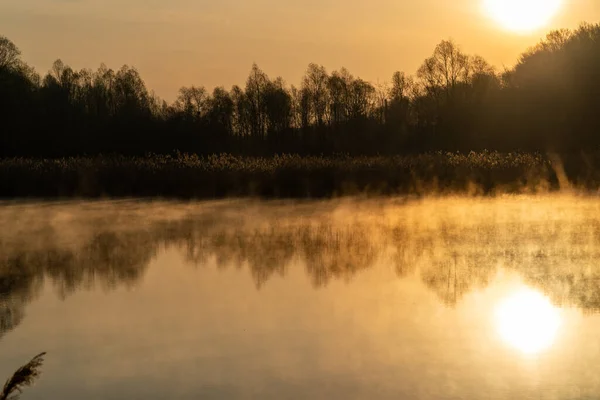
{"x":22,"y":378}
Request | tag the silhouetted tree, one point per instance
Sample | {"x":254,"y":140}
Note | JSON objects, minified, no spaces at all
{"x":314,"y":84}
{"x":456,"y":102}
{"x":9,"y":54}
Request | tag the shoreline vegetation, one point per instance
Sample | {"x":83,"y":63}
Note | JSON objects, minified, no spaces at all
{"x":292,"y":176}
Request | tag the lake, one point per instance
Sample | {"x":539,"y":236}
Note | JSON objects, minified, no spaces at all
{"x":440,"y":298}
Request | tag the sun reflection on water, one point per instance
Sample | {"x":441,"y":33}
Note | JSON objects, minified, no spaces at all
{"x":527,"y":321}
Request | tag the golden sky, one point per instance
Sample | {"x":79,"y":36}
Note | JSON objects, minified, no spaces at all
{"x":183,"y":42}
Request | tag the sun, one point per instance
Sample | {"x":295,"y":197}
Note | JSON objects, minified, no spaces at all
{"x":522,"y":15}
{"x":527,"y":321}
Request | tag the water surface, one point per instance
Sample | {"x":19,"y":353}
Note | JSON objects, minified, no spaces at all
{"x":419,"y":299}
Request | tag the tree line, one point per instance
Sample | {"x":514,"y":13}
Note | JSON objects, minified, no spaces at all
{"x":454,"y":102}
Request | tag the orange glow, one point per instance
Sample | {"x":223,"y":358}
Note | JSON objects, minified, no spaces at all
{"x":527,"y":321}
{"x":522,"y":15}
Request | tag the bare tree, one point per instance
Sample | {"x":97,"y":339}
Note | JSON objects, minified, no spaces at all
{"x":315,"y":85}
{"x":339,"y":86}
{"x":362,"y":99}
{"x":192,"y":101}
{"x":256,"y":86}
{"x":400,"y":87}
{"x":9,"y":54}
{"x":221,"y":109}
{"x":446,"y":68}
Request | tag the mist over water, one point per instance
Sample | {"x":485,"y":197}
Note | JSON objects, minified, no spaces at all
{"x":388,"y":298}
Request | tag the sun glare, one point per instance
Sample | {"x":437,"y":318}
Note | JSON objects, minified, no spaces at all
{"x":522,"y":15}
{"x":527,"y":321}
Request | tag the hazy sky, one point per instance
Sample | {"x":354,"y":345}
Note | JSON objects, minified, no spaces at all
{"x":183,"y":42}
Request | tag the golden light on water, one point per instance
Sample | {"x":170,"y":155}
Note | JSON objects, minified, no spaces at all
{"x":527,"y":321}
{"x":522,"y":15}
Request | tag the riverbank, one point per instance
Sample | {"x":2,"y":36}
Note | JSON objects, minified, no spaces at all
{"x":287,"y":176}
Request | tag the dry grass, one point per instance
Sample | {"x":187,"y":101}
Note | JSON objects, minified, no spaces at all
{"x":22,"y":378}
{"x":290,"y":176}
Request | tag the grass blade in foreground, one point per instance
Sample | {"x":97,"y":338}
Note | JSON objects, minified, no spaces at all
{"x":23,"y":377}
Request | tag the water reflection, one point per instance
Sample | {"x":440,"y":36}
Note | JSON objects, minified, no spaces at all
{"x":527,"y":321}
{"x":453,"y":245}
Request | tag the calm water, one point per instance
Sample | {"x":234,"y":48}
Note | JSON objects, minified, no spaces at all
{"x":438,"y":299}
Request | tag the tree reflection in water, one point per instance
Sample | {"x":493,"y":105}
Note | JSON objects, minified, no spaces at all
{"x":112,"y":245}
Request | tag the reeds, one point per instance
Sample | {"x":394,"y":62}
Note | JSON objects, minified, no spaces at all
{"x":22,"y":378}
{"x":288,"y":176}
